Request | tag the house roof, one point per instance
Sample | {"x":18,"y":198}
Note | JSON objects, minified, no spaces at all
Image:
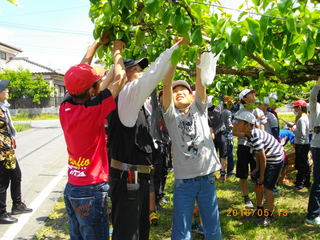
{"x":33,"y":67}
{"x":11,"y":47}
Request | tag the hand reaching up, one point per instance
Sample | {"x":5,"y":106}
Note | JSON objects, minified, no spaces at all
{"x":181,"y":41}
{"x":104,"y":38}
{"x":118,"y":45}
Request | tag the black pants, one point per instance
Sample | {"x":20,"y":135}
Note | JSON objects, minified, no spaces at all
{"x":160,"y":163}
{"x":7,"y":176}
{"x":221,"y":144}
{"x":130,"y":209}
{"x":302,"y":165}
{"x":245,"y":158}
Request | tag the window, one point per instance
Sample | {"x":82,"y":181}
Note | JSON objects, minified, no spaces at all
{"x":3,"y":55}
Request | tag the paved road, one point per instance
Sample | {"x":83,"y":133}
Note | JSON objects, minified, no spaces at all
{"x":42,"y":155}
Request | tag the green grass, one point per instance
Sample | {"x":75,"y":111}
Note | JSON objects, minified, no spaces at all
{"x":28,"y":116}
{"x":290,"y":227}
{"x":56,"y":226}
{"x":21,"y":126}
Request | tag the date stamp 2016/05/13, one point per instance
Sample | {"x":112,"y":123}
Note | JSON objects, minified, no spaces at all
{"x":256,"y":212}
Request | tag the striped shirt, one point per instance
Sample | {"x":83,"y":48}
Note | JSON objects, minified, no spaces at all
{"x":260,"y":119}
{"x":263,"y":141}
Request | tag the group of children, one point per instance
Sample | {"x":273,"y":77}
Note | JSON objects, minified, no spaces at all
{"x":125,"y":176}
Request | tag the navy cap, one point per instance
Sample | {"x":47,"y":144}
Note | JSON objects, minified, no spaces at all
{"x":143,"y":62}
{"x":3,"y":84}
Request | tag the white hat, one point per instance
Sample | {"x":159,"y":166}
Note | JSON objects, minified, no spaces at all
{"x":273,"y":95}
{"x":245,"y":92}
{"x":246,"y":116}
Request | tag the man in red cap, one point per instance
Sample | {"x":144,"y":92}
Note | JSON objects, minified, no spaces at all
{"x":301,"y":144}
{"x":89,"y":100}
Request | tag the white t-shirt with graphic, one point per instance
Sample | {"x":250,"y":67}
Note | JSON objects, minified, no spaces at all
{"x":193,"y":150}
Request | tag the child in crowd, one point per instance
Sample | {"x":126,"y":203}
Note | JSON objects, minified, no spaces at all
{"x":245,"y":158}
{"x":269,"y":161}
{"x":227,"y":117}
{"x":302,"y":146}
{"x":286,"y":135}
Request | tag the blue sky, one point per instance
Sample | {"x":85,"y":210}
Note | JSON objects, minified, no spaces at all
{"x":47,"y":45}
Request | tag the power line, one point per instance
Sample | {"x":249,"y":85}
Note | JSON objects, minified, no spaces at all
{"x":46,"y":12}
{"x":46,"y":29}
{"x":68,"y":50}
{"x":237,"y":10}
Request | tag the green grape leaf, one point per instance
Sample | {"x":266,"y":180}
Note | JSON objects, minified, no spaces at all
{"x":152,"y":6}
{"x":283,"y":6}
{"x":196,"y":36}
{"x":235,"y":36}
{"x":176,"y":56}
{"x":291,"y":24}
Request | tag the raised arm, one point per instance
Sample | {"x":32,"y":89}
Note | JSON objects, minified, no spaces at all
{"x":134,"y":93}
{"x":119,"y":73}
{"x":167,"y":83}
{"x":87,"y":59}
{"x":200,"y":89}
{"x":167,"y":88}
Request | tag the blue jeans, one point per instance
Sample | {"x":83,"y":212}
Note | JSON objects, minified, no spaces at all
{"x":186,"y":192}
{"x":230,"y":145}
{"x":87,"y":211}
{"x":314,"y":198}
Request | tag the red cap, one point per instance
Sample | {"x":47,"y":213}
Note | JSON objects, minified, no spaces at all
{"x":300,"y":103}
{"x":80,"y":78}
{"x":228,"y":99}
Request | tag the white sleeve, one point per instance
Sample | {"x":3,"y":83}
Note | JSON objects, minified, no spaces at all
{"x":133,"y":94}
{"x":314,"y":106}
{"x":261,"y":118}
